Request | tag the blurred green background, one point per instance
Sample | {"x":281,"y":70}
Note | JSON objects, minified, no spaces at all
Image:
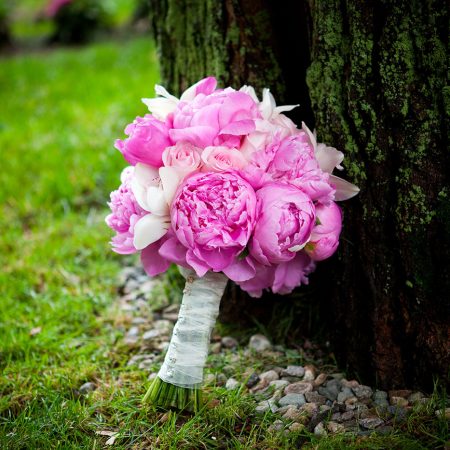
{"x":61,"y":108}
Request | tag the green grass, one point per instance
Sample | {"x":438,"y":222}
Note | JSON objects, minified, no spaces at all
{"x":60,"y":113}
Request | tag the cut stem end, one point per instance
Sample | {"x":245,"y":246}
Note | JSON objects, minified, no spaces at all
{"x":165,"y":395}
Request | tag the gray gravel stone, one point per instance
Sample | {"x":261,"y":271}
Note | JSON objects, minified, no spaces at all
{"x":292,"y":399}
{"x":164,"y":326}
{"x":229,"y":342}
{"x":293,"y":371}
{"x":150,"y":335}
{"x":345,"y":394}
{"x":221,"y":379}
{"x":87,"y":387}
{"x":363,"y":392}
{"x":319,"y":429}
{"x":259,"y":343}
{"x":370,"y":423}
{"x":269,"y":376}
{"x":252,"y":380}
{"x":278,"y":425}
{"x":145,"y":364}
{"x":232,"y":384}
{"x":278,"y":384}
{"x":265,"y":406}
{"x":133,"y":332}
{"x":300,"y":387}
{"x":315,"y":397}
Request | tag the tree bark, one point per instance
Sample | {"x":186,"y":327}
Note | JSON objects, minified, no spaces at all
{"x":372,"y":79}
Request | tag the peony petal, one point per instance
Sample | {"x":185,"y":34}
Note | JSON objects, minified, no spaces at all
{"x":170,"y":179}
{"x":146,"y":175}
{"x":162,"y":91}
{"x":174,"y":251}
{"x":311,"y":135}
{"x":149,"y":229}
{"x":284,"y":108}
{"x":156,"y":201}
{"x":328,"y":157}
{"x":197,"y":264}
{"x":239,"y":127}
{"x":152,"y":261}
{"x":249,"y":90}
{"x":205,"y":86}
{"x":160,"y":107}
{"x":240,"y":270}
{"x":267,"y":105}
{"x":344,"y":189}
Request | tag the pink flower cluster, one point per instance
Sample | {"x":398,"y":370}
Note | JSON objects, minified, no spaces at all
{"x":222,"y":181}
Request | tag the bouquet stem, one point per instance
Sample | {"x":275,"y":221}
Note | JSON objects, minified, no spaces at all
{"x":179,"y":380}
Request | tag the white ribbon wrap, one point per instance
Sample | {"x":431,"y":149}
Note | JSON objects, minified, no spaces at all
{"x":188,"y":348}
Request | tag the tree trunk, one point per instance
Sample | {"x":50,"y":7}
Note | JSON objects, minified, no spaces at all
{"x":372,"y":80}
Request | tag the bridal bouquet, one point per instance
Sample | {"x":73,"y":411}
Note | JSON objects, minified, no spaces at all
{"x":226,"y":187}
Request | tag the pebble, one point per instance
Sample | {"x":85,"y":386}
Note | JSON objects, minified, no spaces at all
{"x":296,"y":427}
{"x":300,"y":387}
{"x":347,"y":415}
{"x":136,"y":358}
{"x":252,"y":380}
{"x":232,"y":384}
{"x":131,"y":341}
{"x":315,"y":397}
{"x":278,"y":425}
{"x":371,"y":423}
{"x":269,"y":376}
{"x":87,"y":387}
{"x":320,"y":379}
{"x":229,"y":342}
{"x":133,"y":332}
{"x":215,"y":348}
{"x":146,"y":364}
{"x":259,"y":343}
{"x":292,"y":399}
{"x":139,"y":321}
{"x":331,"y":390}
{"x":266,"y":405}
{"x":404,"y":393}
{"x":164,"y":326}
{"x":309,"y":408}
{"x":345,"y":394}
{"x":441,"y":413}
{"x":350,"y":384}
{"x":293,"y":371}
{"x":150,"y":335}
{"x":278,"y":384}
{"x":319,"y":429}
{"x":399,"y":401}
{"x":334,"y":427}
{"x":362,"y":391}
{"x":221,"y":379}
{"x":310,"y":373}
{"x":292,"y":413}
{"x":416,"y":397}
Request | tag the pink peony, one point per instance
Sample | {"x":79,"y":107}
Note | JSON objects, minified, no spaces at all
{"x":325,"y":236}
{"x":147,"y":139}
{"x":220,"y":118}
{"x":291,"y":159}
{"x":125,"y":214}
{"x":220,"y":159}
{"x":213,"y":216}
{"x":282,"y":278}
{"x":285,"y":219}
